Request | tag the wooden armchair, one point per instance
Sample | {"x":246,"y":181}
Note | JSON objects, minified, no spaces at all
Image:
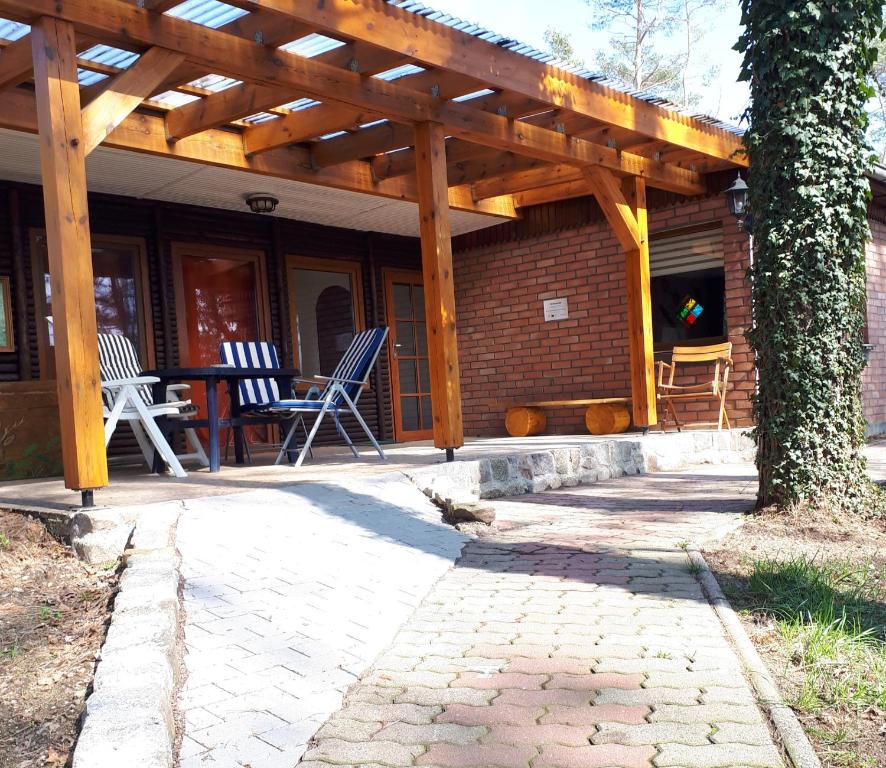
{"x":715,"y":388}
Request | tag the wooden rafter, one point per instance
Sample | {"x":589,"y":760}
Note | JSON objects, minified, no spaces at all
{"x":364,"y":143}
{"x":224,"y":53}
{"x":16,"y":63}
{"x":146,"y":133}
{"x":304,"y":124}
{"x":390,"y":27}
{"x":124,"y":93}
{"x":401,"y":163}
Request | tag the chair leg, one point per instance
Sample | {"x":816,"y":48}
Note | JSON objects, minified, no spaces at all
{"x":156,"y":435}
{"x":674,"y":415}
{"x":143,"y":443}
{"x":114,"y":415}
{"x":345,"y":436}
{"x":290,"y":434}
{"x":301,"y":456}
{"x":723,"y":414}
{"x":362,"y":423}
{"x":199,"y":453}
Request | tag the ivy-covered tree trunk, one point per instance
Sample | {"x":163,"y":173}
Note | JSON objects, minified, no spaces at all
{"x":807,"y":62}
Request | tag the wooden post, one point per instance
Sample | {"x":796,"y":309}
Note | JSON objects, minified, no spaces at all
{"x":436,"y":257}
{"x":625,"y":209}
{"x":63,"y":169}
{"x":639,"y":305}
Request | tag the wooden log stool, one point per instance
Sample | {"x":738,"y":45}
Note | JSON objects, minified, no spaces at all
{"x":525,"y":421}
{"x":607,"y":418}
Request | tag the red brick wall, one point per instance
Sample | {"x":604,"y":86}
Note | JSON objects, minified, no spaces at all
{"x":508,"y":352}
{"x":875,"y":374}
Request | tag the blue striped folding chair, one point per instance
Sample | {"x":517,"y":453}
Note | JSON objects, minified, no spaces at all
{"x":340,"y":394}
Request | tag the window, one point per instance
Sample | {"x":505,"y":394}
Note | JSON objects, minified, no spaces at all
{"x":327,"y":310}
{"x":688,"y":286}
{"x":121,"y":302}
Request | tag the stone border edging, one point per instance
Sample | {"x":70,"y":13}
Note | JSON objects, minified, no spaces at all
{"x":789,"y":729}
{"x":129,"y":715}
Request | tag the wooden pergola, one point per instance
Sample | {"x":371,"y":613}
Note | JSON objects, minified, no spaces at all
{"x":473,"y":126}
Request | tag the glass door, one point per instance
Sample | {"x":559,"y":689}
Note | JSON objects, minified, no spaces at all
{"x":410,"y":370}
{"x":220,"y":298}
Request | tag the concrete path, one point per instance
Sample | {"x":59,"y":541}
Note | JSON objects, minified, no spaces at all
{"x":290,"y":594}
{"x":575,"y":638}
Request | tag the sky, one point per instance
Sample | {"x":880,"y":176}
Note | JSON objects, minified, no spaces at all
{"x":527,"y":20}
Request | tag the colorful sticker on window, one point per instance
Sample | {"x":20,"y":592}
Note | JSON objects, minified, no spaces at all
{"x":690,"y":310}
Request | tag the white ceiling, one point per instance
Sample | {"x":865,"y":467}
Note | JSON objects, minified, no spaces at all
{"x":132,"y":174}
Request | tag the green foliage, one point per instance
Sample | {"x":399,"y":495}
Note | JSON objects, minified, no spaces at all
{"x":4,"y":541}
{"x":807,"y":62}
{"x":832,"y":619}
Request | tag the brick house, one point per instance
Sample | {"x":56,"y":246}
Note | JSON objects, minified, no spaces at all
{"x":530,"y":183}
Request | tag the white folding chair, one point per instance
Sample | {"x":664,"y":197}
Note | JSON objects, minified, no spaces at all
{"x":128,"y":397}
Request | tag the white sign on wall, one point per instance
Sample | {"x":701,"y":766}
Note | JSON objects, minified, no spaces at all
{"x":556,"y":309}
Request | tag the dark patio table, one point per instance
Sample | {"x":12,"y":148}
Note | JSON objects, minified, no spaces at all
{"x":211,"y":376}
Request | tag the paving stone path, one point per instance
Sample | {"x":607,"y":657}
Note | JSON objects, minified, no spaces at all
{"x":576,"y":637}
{"x":289,"y":595}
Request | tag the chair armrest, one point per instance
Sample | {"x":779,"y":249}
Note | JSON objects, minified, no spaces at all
{"x":339,"y":381}
{"x":313,"y":380}
{"x":177,"y":387}
{"x":138,"y":380}
{"x":661,"y":365}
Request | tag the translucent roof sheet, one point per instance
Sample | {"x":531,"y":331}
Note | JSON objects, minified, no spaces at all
{"x":398,"y":72}
{"x":215,"y":83}
{"x":87,"y":78}
{"x":312,"y":45}
{"x":174,"y":98}
{"x":209,"y":13}
{"x":109,"y":56}
{"x":12,"y":30}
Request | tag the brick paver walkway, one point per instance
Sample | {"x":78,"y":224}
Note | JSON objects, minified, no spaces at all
{"x":577,"y":637}
{"x":290,"y":594}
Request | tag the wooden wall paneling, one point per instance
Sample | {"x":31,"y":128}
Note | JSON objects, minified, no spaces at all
{"x":20,"y":287}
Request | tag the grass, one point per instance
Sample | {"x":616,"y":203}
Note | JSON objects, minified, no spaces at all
{"x":831,"y":617}
{"x":4,"y":541}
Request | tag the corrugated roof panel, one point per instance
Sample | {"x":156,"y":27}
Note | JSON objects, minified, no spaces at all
{"x":474,"y":95}
{"x":87,"y":78}
{"x":522,"y":49}
{"x":215,"y":83}
{"x":259,"y":117}
{"x":299,"y":104}
{"x":398,"y":72}
{"x":209,"y":13}
{"x":174,"y":98}
{"x":312,"y":45}
{"x":333,"y":135}
{"x":12,"y":30}
{"x":109,"y":56}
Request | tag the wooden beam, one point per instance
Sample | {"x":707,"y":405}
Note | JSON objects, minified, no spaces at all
{"x":302,"y":125}
{"x":387,"y":26}
{"x":124,"y":93}
{"x":366,"y":142}
{"x":616,"y":208}
{"x":220,"y":108}
{"x":227,"y":54}
{"x":639,"y":306}
{"x":529,"y":180}
{"x":624,"y":206}
{"x":439,"y":285}
{"x":401,"y":163}
{"x":550,"y":194}
{"x":146,"y":133}
{"x":63,"y":170}
{"x":16,"y":63}
{"x":490,"y":164}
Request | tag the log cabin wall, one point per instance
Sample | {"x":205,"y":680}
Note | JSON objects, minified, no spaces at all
{"x":159,"y":225}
